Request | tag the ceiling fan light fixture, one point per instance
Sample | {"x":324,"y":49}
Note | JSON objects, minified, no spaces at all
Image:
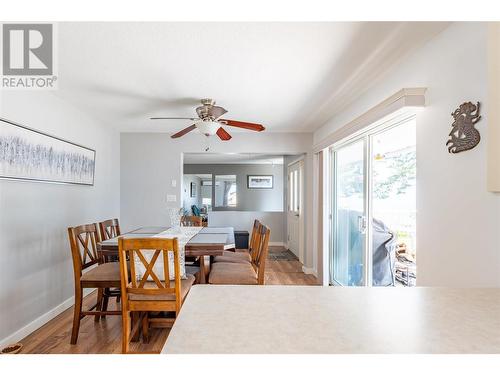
{"x":209,"y":122}
{"x":208,"y":127}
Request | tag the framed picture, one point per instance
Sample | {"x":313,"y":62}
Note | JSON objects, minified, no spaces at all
{"x":193,"y":190}
{"x":30,"y":155}
{"x":259,"y":182}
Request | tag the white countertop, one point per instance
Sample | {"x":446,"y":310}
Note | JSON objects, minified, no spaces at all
{"x":310,"y":319}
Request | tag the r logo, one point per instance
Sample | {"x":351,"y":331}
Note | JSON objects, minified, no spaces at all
{"x":27,"y":49}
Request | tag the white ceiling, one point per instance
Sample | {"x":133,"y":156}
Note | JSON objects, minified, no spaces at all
{"x":287,"y":76}
{"x":214,"y":158}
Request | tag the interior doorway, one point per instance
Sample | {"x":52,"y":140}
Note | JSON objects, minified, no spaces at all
{"x":295,"y":209}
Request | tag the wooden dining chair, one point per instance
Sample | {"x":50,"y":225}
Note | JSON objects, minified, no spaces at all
{"x":252,"y":273}
{"x":151,"y":290}
{"x":242,"y":255}
{"x":191,"y":221}
{"x":109,"y":229}
{"x":83,"y":240}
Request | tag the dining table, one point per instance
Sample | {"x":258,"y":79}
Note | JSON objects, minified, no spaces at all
{"x":206,"y":244}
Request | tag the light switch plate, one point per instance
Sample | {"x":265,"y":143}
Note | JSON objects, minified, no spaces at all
{"x":174,"y":183}
{"x":171,"y":198}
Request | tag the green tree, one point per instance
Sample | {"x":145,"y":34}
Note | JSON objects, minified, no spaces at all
{"x":403,"y":174}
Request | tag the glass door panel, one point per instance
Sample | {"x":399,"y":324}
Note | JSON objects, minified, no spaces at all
{"x":349,"y":221}
{"x":394,"y":205}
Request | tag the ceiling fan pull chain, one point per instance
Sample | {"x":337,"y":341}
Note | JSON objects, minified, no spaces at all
{"x":207,"y":143}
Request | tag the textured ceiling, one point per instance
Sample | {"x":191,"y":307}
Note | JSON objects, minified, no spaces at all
{"x":291,"y":77}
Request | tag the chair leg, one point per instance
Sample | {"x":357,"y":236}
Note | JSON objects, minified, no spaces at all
{"x":99,"y":303}
{"x":77,"y":314}
{"x":105,"y":300}
{"x":145,"y":328}
{"x":136,"y":321}
{"x":125,"y":331}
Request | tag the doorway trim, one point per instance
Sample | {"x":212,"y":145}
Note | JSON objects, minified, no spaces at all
{"x":301,"y":241}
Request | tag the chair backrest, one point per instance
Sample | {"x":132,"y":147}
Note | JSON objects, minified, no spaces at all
{"x":262,"y":248}
{"x":83,"y":240}
{"x":191,"y":221}
{"x":147,"y":251}
{"x":254,"y":239}
{"x":109,"y":229}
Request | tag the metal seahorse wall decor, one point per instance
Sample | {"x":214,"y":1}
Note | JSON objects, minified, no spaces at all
{"x":464,"y":136}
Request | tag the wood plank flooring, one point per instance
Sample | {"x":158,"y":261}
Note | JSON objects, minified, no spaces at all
{"x":286,"y":272}
{"x":105,"y":336}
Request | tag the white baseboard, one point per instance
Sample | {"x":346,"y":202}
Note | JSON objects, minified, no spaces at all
{"x":40,"y":321}
{"x":277,"y":244}
{"x":310,"y":271}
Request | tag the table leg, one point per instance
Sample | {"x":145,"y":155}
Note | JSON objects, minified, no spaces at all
{"x":203,"y":271}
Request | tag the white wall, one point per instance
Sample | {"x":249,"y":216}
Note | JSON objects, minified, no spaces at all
{"x":458,"y":221}
{"x":36,"y":272}
{"x":149,"y":163}
{"x":264,"y":200}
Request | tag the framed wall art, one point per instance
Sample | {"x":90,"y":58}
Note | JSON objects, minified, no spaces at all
{"x":259,"y":182}
{"x":30,"y":155}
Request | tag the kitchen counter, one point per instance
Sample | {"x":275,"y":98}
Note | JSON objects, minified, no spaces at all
{"x":316,"y":319}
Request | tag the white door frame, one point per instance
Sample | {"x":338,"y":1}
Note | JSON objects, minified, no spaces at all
{"x":366,"y":135}
{"x":301,"y":207}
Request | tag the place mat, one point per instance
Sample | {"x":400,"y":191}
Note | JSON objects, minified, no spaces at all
{"x":150,"y":230}
{"x":114,"y":240}
{"x":216,"y":230}
{"x":210,"y":238}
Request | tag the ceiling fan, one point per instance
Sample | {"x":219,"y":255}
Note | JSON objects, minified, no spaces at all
{"x":209,"y":122}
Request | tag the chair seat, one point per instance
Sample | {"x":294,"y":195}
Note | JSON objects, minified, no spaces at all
{"x":232,"y":257}
{"x":185,"y":286}
{"x":233,"y":274}
{"x":107,"y":272}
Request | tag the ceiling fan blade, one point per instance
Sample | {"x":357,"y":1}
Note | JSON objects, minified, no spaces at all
{"x":223,"y":135}
{"x":184,"y":131}
{"x":174,"y":118}
{"x":244,"y":125}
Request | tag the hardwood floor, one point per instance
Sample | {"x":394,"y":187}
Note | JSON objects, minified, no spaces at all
{"x":286,"y":272}
{"x":105,"y":336}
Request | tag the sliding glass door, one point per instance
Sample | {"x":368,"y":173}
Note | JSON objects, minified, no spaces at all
{"x":373,"y":210}
{"x":349,"y":224}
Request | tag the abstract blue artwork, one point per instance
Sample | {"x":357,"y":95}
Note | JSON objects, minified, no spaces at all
{"x":27,"y":154}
